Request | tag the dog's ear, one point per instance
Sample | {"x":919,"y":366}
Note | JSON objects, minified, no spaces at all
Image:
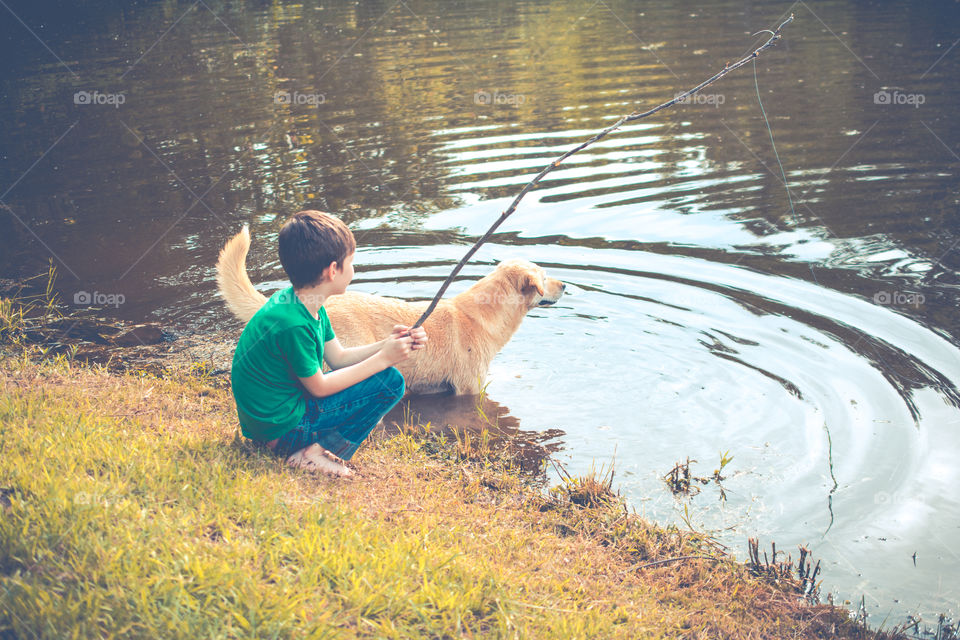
{"x":528,"y":279}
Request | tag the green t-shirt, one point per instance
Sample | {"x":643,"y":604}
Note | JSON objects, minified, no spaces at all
{"x":280,"y":342}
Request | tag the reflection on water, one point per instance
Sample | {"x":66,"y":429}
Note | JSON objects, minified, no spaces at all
{"x":460,"y":417}
{"x":819,"y":346}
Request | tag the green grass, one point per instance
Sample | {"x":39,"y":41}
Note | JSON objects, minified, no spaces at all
{"x":131,"y":509}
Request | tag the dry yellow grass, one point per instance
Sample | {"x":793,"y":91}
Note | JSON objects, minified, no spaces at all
{"x":131,"y":509}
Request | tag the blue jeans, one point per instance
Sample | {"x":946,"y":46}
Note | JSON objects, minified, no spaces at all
{"x":342,"y":421}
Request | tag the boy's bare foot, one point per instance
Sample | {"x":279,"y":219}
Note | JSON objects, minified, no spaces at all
{"x":316,"y":458}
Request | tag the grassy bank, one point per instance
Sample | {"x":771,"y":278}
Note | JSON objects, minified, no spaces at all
{"x":129,"y":508}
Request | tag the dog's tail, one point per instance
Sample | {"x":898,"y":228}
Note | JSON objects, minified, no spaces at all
{"x":232,"y":279}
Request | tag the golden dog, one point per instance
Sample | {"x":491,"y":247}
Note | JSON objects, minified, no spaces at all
{"x":465,"y":331}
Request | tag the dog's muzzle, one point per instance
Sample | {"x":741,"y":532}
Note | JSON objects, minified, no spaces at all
{"x":546,"y":302}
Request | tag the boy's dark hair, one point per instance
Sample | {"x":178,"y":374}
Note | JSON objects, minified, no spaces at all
{"x":309,"y":241}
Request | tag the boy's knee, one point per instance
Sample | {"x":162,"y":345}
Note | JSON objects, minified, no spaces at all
{"x":394,"y":381}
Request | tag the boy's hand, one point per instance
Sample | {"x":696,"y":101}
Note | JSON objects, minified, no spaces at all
{"x":419,"y":335}
{"x":397,"y":347}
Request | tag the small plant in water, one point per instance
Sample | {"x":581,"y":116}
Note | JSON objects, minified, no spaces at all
{"x":680,"y":480}
{"x":479,"y":404}
{"x":802,"y":579}
{"x":594,"y":489}
{"x":21,"y":315}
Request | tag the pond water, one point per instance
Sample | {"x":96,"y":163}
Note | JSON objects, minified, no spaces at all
{"x":816,"y":338}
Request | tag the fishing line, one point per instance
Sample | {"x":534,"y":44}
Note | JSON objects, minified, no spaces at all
{"x":772,"y":143}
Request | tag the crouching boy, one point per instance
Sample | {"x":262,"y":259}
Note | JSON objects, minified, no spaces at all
{"x":284,"y":399}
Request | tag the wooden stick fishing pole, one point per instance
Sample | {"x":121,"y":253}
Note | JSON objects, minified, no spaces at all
{"x":636,"y":115}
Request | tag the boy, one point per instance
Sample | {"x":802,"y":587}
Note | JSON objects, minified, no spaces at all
{"x":283,"y":397}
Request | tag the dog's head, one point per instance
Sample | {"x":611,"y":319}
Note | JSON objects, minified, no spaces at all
{"x":531,"y":282}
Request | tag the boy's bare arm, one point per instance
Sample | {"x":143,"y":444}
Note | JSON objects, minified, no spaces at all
{"x":339,"y":357}
{"x":391,"y":351}
{"x":326,"y":384}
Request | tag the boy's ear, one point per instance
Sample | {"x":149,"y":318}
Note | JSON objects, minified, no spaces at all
{"x":328,"y":272}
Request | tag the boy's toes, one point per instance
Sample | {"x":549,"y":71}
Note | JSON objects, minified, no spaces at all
{"x":329,"y":455}
{"x":346,"y":470}
{"x":316,"y":458}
